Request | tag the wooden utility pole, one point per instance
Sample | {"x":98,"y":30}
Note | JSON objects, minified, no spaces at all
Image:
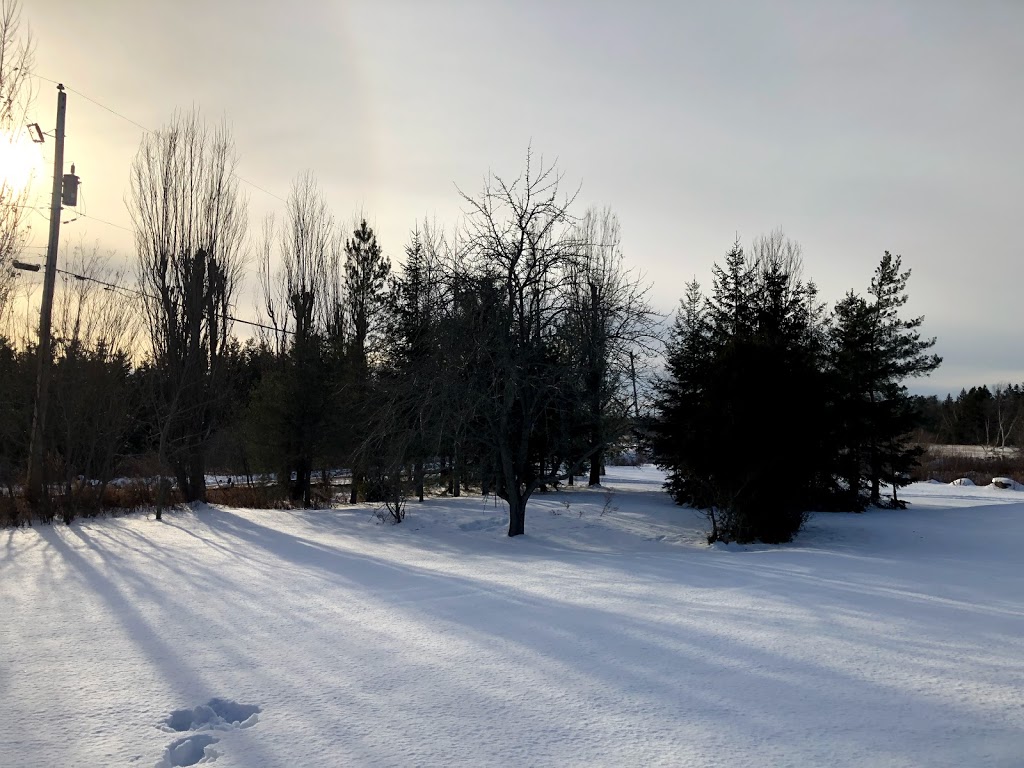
{"x":632,"y":376}
{"x":36,"y":456}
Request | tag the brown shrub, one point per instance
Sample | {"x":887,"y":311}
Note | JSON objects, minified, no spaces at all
{"x":248,"y":496}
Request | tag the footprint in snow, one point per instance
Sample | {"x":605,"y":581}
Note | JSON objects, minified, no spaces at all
{"x":216,"y":715}
{"x":190,"y":750}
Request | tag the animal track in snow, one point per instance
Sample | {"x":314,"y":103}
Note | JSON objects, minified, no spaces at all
{"x":189,"y":750}
{"x":215,"y":715}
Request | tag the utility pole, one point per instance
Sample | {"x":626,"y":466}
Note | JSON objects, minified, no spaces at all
{"x":632,"y":376}
{"x":36,"y":456}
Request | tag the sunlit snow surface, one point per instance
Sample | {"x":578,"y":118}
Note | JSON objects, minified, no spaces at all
{"x":892,"y":638}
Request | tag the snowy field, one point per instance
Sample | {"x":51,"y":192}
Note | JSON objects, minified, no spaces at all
{"x":323,"y":638}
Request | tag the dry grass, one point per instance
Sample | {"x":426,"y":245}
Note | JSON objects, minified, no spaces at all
{"x":946,"y":466}
{"x":249,"y":496}
{"x":83,"y":500}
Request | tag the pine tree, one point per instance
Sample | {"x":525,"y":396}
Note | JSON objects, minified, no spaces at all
{"x":851,"y":354}
{"x":404,"y":414}
{"x":874,"y":352}
{"x":366,"y":275}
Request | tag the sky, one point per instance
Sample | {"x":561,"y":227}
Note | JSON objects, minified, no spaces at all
{"x":855,"y":127}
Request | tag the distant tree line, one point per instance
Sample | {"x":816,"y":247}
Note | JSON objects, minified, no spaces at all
{"x":990,"y":416}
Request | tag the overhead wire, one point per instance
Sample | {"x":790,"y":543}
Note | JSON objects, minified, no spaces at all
{"x":148,"y":130}
{"x":84,"y":208}
{"x":134,"y":291}
{"x":137,"y":292}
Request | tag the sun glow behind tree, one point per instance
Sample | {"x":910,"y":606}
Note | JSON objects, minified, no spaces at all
{"x":21,"y":162}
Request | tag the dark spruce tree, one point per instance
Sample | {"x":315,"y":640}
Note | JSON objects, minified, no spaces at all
{"x":402,"y":414}
{"x":742,"y":405}
{"x":366,"y":274}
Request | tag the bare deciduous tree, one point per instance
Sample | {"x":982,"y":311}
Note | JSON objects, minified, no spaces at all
{"x":302,"y":301}
{"x":16,"y":94}
{"x":519,"y":245}
{"x":610,"y":321}
{"x":1001,"y":425}
{"x":190,"y":221}
{"x":95,"y":333}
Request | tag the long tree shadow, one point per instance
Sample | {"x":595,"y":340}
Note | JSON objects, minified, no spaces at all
{"x":440,"y":597}
{"x":664,"y":651}
{"x":109,"y":583}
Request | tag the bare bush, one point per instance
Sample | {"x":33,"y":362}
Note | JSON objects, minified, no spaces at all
{"x":16,"y":95}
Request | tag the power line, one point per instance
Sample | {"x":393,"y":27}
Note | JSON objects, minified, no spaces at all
{"x":92,"y":100}
{"x":102,"y":221}
{"x":41,"y":77}
{"x":111,"y":111}
{"x":261,"y":189}
{"x":137,"y":292}
{"x":147,"y":130}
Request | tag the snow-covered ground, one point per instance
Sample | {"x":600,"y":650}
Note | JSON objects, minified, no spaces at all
{"x":323,"y":638}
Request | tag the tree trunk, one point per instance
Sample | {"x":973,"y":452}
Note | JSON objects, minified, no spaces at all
{"x":357,"y":477}
{"x":876,"y":477}
{"x":195,"y":489}
{"x":295,"y":486}
{"x":418,"y":472}
{"x":181,"y":477}
{"x":853,"y":491}
{"x":456,"y":474}
{"x":517,"y":515}
{"x":595,"y":468}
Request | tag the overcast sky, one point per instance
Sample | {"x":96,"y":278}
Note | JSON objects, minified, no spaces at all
{"x":856,"y":127}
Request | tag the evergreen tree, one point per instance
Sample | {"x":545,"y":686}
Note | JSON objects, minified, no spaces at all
{"x":851,"y":350}
{"x":366,"y":276}
{"x":403,"y":419}
{"x":875,"y":351}
{"x":743,"y":403}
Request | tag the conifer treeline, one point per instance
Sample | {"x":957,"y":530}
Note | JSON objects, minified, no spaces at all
{"x":772,"y":406}
{"x":991,"y":416}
